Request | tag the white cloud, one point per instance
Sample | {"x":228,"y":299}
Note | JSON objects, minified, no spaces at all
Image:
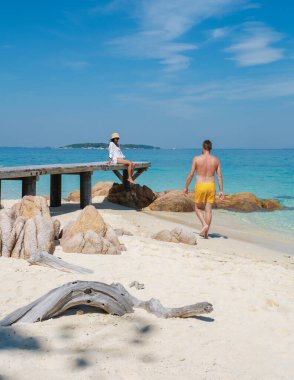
{"x":254,"y":45}
{"x":162,"y":23}
{"x":242,"y":89}
{"x":187,"y":101}
{"x":220,"y":32}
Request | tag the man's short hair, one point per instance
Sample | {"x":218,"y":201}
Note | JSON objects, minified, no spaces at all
{"x":207,"y":145}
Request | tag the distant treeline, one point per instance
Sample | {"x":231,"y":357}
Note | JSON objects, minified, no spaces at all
{"x":105,"y":146}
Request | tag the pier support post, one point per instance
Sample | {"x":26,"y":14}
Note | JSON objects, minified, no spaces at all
{"x":55,"y":190}
{"x":126,"y":183}
{"x":85,"y":189}
{"x":29,"y":186}
{"x":0,"y":195}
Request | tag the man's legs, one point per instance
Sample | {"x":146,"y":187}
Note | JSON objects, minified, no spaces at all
{"x":201,"y":217}
{"x":208,"y":217}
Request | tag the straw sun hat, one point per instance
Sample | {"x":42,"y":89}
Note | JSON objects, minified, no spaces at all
{"x":115,"y":136}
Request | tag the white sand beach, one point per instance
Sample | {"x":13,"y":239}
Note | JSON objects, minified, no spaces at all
{"x":249,"y":335}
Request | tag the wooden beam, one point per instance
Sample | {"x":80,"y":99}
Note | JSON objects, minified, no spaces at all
{"x":85,"y":189}
{"x":138,"y":173}
{"x":119,"y":176}
{"x":126,"y":183}
{"x":29,"y":186}
{"x":47,"y":260}
{"x":55,"y":190}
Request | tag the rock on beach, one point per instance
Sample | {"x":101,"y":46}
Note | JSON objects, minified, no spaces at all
{"x":177,"y":235}
{"x":247,"y":202}
{"x":99,"y":189}
{"x":142,"y":197}
{"x":27,"y":228}
{"x":177,"y":201}
{"x":137,"y":197}
{"x":90,"y":234}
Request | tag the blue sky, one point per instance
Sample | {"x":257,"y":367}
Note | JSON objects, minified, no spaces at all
{"x":163,"y":72}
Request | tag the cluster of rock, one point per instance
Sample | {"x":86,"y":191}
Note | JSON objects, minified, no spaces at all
{"x":90,"y":234}
{"x":247,"y":202}
{"x":27,"y":228}
{"x":177,"y":201}
{"x":142,"y":197}
{"x":177,"y":235}
{"x":137,"y":197}
{"x":173,"y":200}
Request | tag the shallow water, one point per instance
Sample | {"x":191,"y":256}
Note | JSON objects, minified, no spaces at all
{"x":266,"y":173}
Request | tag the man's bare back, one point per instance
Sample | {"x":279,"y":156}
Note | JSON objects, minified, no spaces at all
{"x":206,"y":166}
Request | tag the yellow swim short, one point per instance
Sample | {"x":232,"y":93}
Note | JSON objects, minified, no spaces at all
{"x":204,"y":193}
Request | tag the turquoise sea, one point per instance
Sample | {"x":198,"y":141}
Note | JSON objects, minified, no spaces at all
{"x":266,"y":173}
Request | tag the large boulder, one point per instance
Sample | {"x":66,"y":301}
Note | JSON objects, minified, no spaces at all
{"x":27,"y":228}
{"x":177,"y":235}
{"x":90,"y":234}
{"x":74,"y":196}
{"x":137,"y":197}
{"x":89,"y":219}
{"x":29,"y":207}
{"x":99,"y":189}
{"x":173,"y":200}
{"x":246,"y":202}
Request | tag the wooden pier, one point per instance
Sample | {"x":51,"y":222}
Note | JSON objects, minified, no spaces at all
{"x":29,"y":176}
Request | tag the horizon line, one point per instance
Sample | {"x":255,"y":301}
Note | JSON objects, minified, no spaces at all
{"x":155,"y":148}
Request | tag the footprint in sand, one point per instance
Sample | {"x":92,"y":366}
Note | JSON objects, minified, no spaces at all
{"x":271,"y":304}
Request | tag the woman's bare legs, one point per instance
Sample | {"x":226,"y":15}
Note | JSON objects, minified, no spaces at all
{"x":131,"y":168}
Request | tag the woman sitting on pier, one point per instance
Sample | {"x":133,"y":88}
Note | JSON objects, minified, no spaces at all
{"x":116,"y":156}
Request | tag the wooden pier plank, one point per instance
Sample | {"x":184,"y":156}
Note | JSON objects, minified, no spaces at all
{"x":19,"y":172}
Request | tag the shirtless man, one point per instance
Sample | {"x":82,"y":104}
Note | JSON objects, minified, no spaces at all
{"x":205,"y":167}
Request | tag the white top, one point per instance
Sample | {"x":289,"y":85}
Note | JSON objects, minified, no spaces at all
{"x":115,"y":152}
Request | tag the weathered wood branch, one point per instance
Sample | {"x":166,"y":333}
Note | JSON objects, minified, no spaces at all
{"x":47,"y":260}
{"x":113,"y":299}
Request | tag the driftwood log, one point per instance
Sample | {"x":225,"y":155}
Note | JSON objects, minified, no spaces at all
{"x":112,"y":299}
{"x":46,"y":260}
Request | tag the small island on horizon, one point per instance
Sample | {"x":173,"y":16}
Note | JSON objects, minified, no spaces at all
{"x":105,"y":146}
